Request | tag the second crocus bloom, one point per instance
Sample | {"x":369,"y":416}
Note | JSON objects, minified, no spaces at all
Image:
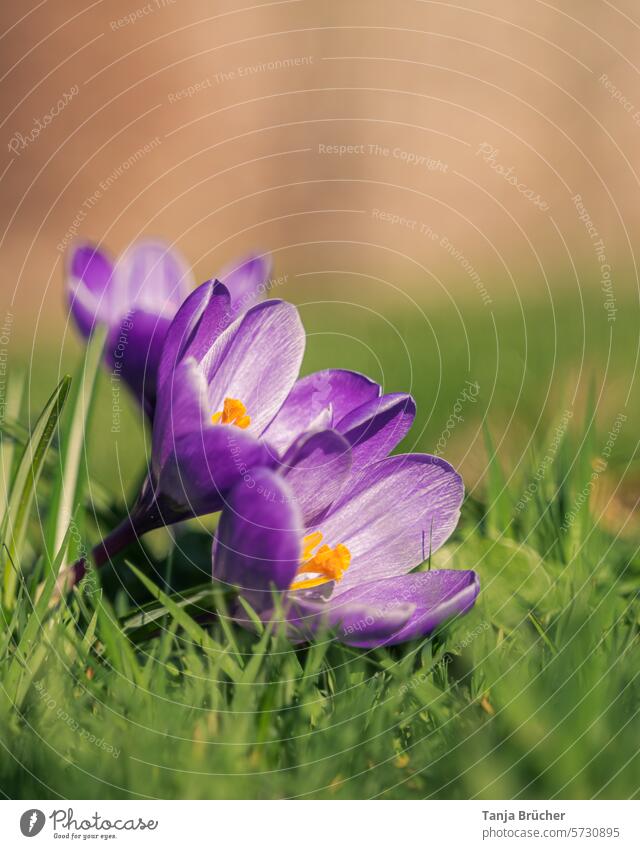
{"x":346,"y":563}
{"x":138,"y":296}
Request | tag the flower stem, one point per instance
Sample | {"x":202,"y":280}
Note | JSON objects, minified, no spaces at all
{"x":120,"y":538}
{"x":148,"y":514}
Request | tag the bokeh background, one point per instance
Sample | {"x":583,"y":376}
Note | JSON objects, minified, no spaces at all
{"x":449,"y":190}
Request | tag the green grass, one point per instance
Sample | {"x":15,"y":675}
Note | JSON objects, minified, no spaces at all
{"x":126,"y":691}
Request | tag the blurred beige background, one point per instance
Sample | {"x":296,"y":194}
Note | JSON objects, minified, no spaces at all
{"x":410,"y":146}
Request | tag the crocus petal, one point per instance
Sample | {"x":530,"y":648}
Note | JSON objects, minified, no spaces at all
{"x":88,"y":275}
{"x":136,"y":299}
{"x":375,"y":428}
{"x":183,"y":411}
{"x":335,"y":390}
{"x":152,"y":277}
{"x":134,"y":348}
{"x":256,"y":360}
{"x":392,"y":514}
{"x":434,"y":596}
{"x":198,"y":322}
{"x":316,"y":467}
{"x":246,"y":281}
{"x":307,"y":617}
{"x":204,"y":465}
{"x":258,"y":540}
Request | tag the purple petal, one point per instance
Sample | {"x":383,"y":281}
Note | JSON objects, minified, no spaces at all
{"x":315,"y":468}
{"x":153,"y":277}
{"x":335,"y":391}
{"x":88,"y":278}
{"x":204,"y":464}
{"x":182,"y":409}
{"x":246,"y":281}
{"x":376,"y":427}
{"x":392,"y":514}
{"x":196,"y":325}
{"x":434,"y":596}
{"x":307,"y":617}
{"x":256,"y":360}
{"x":258,"y":541}
{"x":133,"y":350}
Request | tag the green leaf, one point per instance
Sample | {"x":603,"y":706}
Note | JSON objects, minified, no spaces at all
{"x":71,"y":474}
{"x":24,"y":486}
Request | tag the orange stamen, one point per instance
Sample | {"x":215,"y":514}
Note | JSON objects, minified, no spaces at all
{"x":232,"y":413}
{"x":328,"y":563}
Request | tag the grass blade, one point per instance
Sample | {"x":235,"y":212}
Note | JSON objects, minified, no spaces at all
{"x":28,"y":647}
{"x":190,"y":626}
{"x":24,"y":486}
{"x":71,"y":471}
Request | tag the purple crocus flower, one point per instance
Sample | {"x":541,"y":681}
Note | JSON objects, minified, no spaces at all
{"x":229,"y":403}
{"x":346,"y":563}
{"x":137,"y":299}
{"x":246,"y":378}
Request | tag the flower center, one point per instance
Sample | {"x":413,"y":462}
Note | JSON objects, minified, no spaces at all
{"x":329,"y":564}
{"x":233,"y":412}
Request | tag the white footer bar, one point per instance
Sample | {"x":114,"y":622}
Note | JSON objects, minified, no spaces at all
{"x":321,"y":825}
